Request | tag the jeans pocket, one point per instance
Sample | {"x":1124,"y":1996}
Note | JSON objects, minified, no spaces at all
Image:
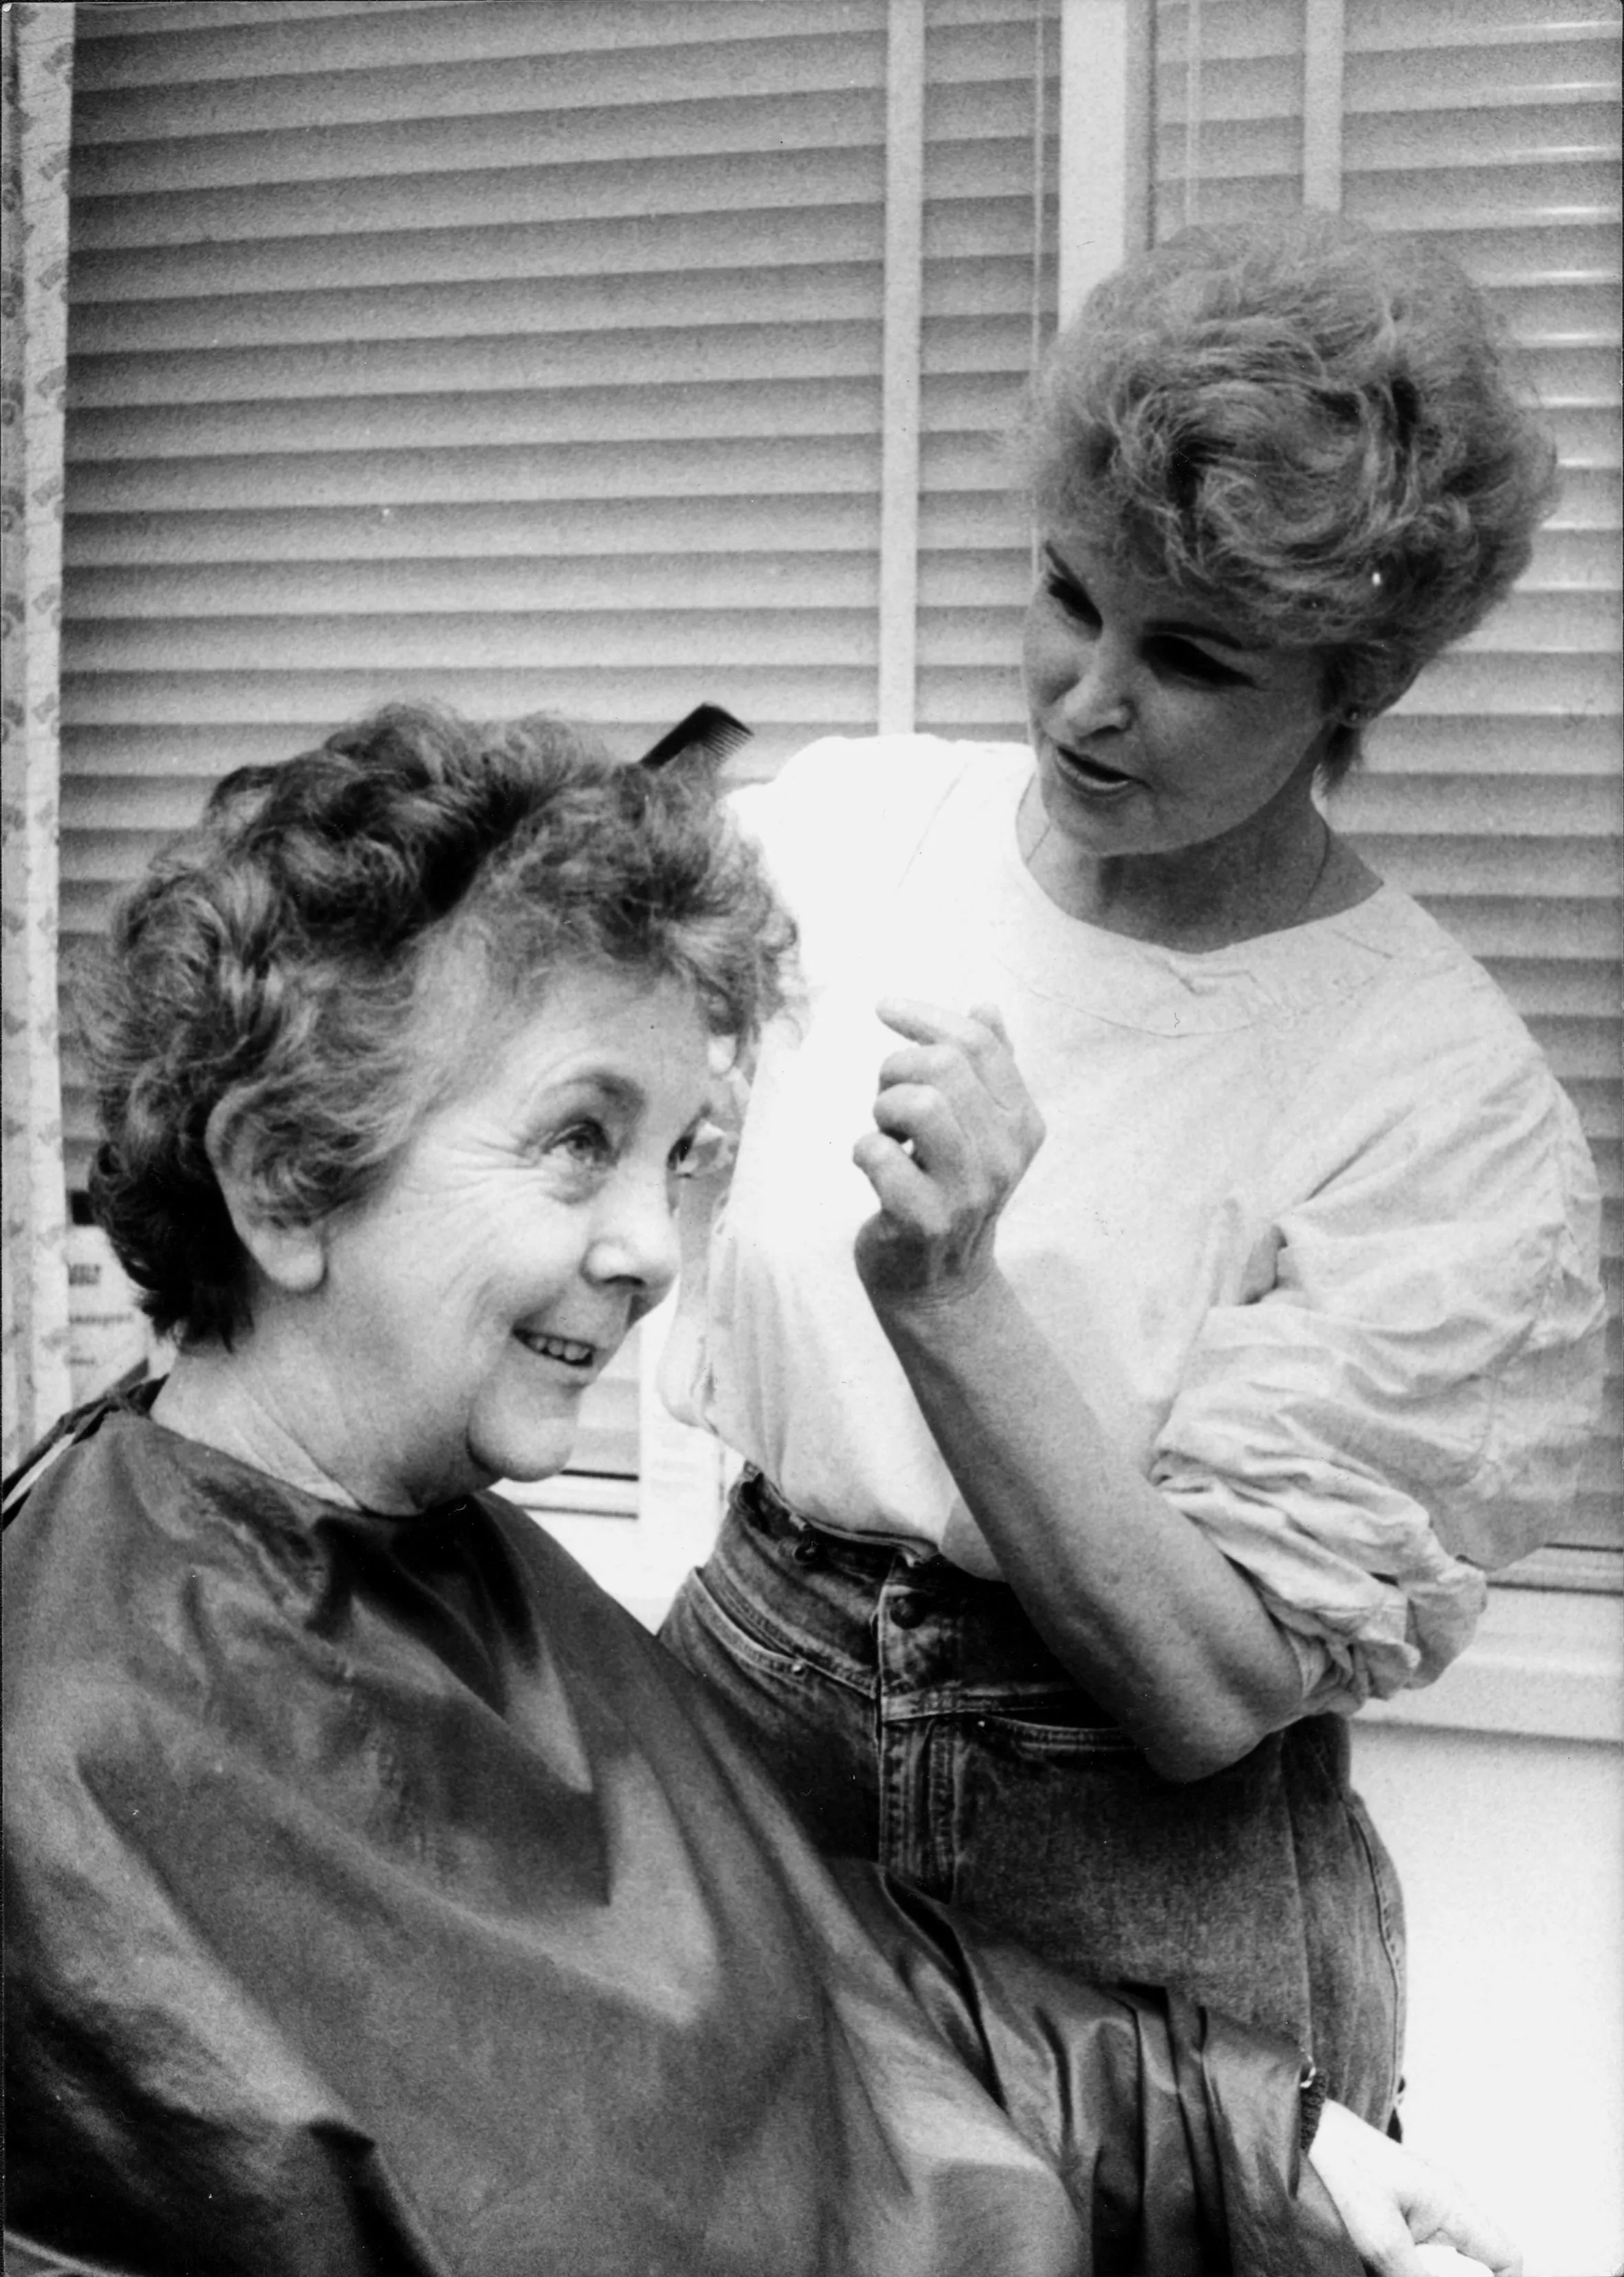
{"x":813,"y":1731}
{"x":1042,"y":1731}
{"x":697,"y":1605}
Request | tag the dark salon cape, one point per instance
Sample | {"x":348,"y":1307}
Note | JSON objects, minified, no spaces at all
{"x":381,"y":1899}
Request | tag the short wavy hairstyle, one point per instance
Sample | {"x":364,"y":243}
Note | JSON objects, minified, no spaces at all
{"x":1315,"y":430}
{"x":272,"y":959}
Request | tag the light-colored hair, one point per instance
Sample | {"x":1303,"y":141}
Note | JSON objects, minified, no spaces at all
{"x":273,"y":958}
{"x":1318,"y":431}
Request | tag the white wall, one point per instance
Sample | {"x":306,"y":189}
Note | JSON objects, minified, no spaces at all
{"x":1511,"y":1848}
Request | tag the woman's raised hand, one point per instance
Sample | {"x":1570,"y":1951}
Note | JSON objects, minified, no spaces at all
{"x":954,"y":1130}
{"x":1405,"y":2218}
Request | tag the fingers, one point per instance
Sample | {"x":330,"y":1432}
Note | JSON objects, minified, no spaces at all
{"x":903,"y":1190}
{"x":926,"y":1119}
{"x":1444,"y":2261}
{"x":912,"y":1016}
{"x":1393,"y":2203}
{"x":966,"y":1058}
{"x":1439,"y":2215}
{"x":954,"y":1130}
{"x":944,"y":1039}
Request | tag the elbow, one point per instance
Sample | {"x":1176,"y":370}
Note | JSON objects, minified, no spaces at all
{"x":1201,"y":1746}
{"x":1184,"y":1757}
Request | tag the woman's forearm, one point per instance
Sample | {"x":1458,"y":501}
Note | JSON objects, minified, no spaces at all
{"x":1130,"y":1594}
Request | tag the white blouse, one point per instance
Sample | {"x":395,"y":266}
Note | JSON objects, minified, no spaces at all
{"x":1312,"y":1226}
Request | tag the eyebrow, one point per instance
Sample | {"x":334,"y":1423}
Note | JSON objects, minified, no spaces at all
{"x":556,"y":1093}
{"x":620,"y":1090}
{"x":1210,"y":633}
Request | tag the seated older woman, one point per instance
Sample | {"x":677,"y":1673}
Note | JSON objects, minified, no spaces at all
{"x":382,"y":1897}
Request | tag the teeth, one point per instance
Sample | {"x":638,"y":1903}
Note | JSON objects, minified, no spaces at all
{"x":560,"y":1348}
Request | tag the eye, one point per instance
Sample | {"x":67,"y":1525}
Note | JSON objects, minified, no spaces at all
{"x":1070,"y":597}
{"x":699,"y":1152}
{"x":576,"y":1157}
{"x":1190,"y":663}
{"x":586,"y":1145}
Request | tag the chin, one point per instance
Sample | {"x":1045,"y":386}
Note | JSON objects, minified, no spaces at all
{"x":526,"y":1456}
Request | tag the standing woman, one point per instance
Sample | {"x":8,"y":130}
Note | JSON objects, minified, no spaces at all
{"x":1230,"y":1307}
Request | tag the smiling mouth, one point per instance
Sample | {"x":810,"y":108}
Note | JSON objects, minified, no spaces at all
{"x":566,"y":1350}
{"x":1091,"y":774}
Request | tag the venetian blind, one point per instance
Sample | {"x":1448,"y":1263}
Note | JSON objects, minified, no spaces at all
{"x":1493,"y":791}
{"x":524,"y":356}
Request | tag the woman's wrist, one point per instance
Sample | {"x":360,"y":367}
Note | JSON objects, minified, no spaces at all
{"x":944,"y":1311}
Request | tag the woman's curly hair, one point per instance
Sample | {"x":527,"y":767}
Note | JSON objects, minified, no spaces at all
{"x":1314,"y":430}
{"x":265,"y":972}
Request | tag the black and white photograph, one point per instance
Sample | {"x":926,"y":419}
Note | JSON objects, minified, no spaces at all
{"x":813,"y":1138}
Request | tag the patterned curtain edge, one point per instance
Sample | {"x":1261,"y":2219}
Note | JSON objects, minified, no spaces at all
{"x":38,"y":68}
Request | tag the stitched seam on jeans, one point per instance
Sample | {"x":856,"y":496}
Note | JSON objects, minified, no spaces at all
{"x":759,"y":1641}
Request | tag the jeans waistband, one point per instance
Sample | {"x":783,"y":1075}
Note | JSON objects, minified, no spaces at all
{"x":991,"y":1655}
{"x":759,"y":1502}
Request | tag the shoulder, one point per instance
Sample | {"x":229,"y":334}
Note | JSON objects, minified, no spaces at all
{"x":110,"y":1676}
{"x":1433,"y":1134}
{"x":76,"y":1510}
{"x":567,"y":1605}
{"x":849,"y":810}
{"x":1425,"y":1030}
{"x":120,"y":1555}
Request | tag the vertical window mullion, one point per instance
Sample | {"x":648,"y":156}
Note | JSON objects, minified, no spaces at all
{"x":904,"y":299}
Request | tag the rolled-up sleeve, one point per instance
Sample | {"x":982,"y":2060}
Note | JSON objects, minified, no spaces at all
{"x":1404,"y":1406}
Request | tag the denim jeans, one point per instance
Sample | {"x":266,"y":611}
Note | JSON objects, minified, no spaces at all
{"x":915,"y":1717}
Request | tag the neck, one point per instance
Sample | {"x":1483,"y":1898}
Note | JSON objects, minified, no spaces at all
{"x":238,"y":1401}
{"x":1281,"y":867}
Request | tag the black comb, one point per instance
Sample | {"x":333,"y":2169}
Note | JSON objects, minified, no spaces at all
{"x":708,"y":732}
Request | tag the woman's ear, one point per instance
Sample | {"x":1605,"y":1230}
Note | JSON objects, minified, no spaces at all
{"x":1383,"y":698}
{"x":292,"y":1257}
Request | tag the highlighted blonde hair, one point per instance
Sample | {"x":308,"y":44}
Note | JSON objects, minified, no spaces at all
{"x":1317,"y":432}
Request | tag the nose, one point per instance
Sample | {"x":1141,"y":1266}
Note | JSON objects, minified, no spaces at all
{"x":1098,"y":695}
{"x":634,"y":1238}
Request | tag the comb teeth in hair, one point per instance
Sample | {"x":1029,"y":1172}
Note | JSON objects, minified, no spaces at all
{"x":708,"y":732}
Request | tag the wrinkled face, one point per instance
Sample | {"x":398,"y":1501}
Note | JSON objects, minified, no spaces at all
{"x":1155,"y":725}
{"x":467,"y":1305}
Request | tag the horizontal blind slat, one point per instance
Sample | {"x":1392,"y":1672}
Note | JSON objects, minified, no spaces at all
{"x":508,"y":195}
{"x":1472,"y":25}
{"x":643,"y":409}
{"x":459,"y":312}
{"x":392,"y":479}
{"x":262,"y":45}
{"x":1504,"y":77}
{"x":615,"y":85}
{"x":676,"y":582}
{"x":820,"y":698}
{"x":697,"y":131}
{"x":641,"y":249}
{"x":320,"y":643}
{"x":462,"y":529}
{"x":1478,"y":746}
